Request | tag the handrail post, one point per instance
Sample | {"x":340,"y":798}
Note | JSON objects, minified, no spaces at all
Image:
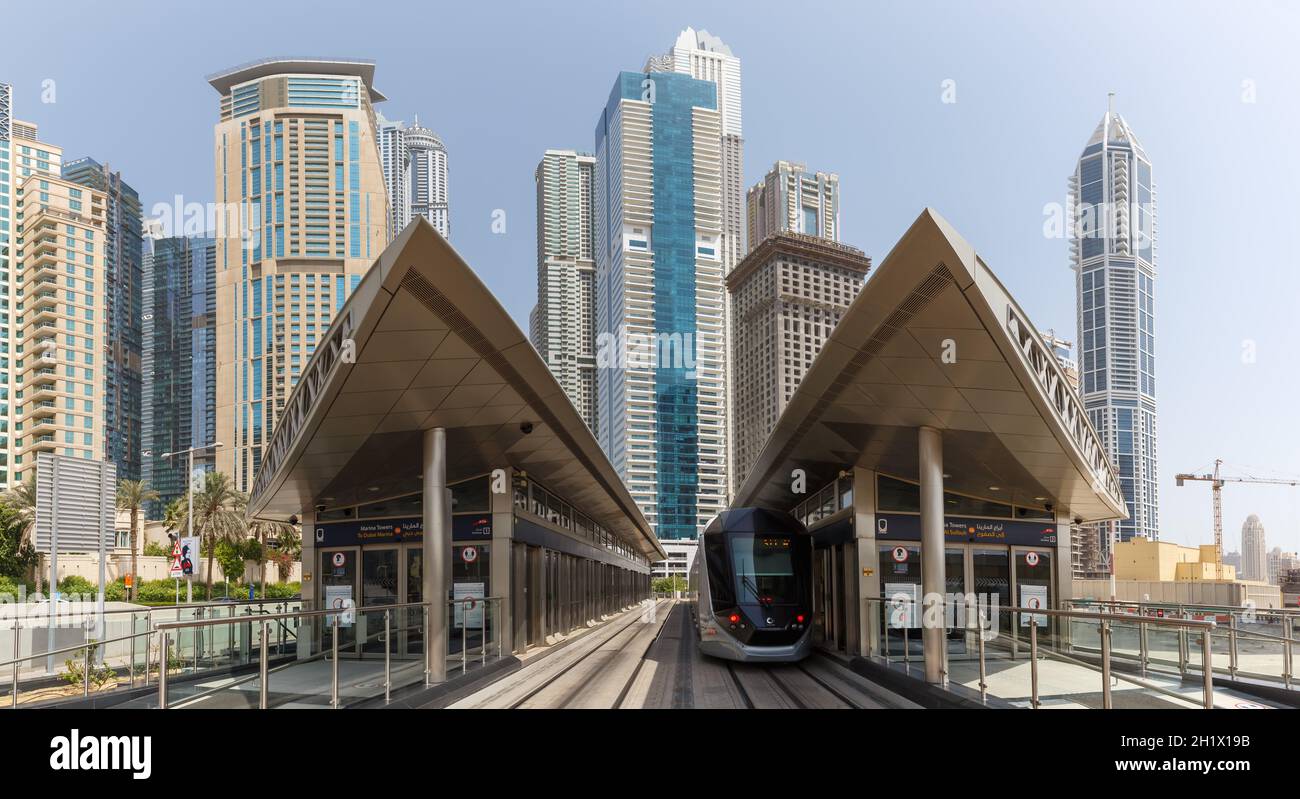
{"x":17,"y":655}
{"x":907,"y":648}
{"x":1232,"y":644}
{"x":148,"y":629}
{"x":195,"y":638}
{"x":428,"y":644}
{"x":1288,"y":631}
{"x":1143,"y":651}
{"x":979,"y":637}
{"x":388,"y":658}
{"x":263,"y":691}
{"x":334,"y":666}
{"x":131,"y":645}
{"x":85,"y":673}
{"x":162,"y":669}
{"x":483,"y":633}
{"x":500,"y":631}
{"x":1182,"y":651}
{"x":1207,"y":667}
{"x":1033,"y":662}
{"x":1105,"y":665}
{"x":464,"y":632}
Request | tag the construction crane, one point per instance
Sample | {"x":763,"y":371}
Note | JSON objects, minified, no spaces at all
{"x":1216,"y":481}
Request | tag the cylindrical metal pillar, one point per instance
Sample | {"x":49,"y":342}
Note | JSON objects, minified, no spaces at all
{"x":932,"y":556}
{"x":437,"y":549}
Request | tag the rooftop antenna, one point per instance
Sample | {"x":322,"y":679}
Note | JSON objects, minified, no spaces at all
{"x":1110,"y":103}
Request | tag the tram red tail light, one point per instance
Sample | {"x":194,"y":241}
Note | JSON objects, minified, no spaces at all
{"x":799,"y":618}
{"x":733,"y":618}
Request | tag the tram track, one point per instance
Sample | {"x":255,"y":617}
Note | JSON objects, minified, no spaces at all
{"x":632,"y":664}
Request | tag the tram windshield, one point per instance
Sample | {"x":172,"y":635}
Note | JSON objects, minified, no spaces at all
{"x":764,"y":569}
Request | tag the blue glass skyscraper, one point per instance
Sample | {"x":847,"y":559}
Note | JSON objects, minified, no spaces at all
{"x":1113,"y":255}
{"x":659,"y":297}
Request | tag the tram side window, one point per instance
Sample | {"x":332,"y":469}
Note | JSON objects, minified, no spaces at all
{"x":715,"y":555}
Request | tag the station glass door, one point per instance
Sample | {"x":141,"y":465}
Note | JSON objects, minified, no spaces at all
{"x":1034,"y":588}
{"x":338,"y":571}
{"x":410,"y":621}
{"x":900,"y":586}
{"x":379,"y":587}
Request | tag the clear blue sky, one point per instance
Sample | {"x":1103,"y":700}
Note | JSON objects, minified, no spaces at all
{"x":848,"y":87}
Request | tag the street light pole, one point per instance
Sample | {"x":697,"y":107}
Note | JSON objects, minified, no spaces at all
{"x":189,"y":497}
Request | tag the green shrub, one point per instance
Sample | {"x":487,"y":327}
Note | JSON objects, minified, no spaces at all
{"x":278,"y":590}
{"x":115,"y":592}
{"x":8,"y":587}
{"x":251,"y":549}
{"x":153,"y":549}
{"x":76,"y":584}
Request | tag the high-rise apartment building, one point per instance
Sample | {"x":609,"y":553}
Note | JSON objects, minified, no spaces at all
{"x":706,"y":57}
{"x":415,"y":171}
{"x":1254,"y":552}
{"x":790,"y":199}
{"x":59,"y":298}
{"x":179,"y":362}
{"x":787,"y":296}
{"x":8,"y":267}
{"x":122,"y":278}
{"x":1113,"y":255}
{"x":659,"y":297}
{"x":297,"y":162}
{"x":563,"y":324}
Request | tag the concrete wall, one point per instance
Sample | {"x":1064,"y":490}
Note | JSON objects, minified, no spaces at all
{"x":152,"y":568}
{"x":1197,"y":592}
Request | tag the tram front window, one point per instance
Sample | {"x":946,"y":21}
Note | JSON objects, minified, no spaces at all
{"x":764,"y":569}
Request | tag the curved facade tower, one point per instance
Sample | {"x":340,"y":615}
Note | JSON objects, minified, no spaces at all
{"x":415,"y":173}
{"x":1113,"y":254}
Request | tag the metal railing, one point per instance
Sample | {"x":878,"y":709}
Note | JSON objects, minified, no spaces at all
{"x":334,"y":619}
{"x":977,"y":619}
{"x":87,"y":646}
{"x":1233,"y":633}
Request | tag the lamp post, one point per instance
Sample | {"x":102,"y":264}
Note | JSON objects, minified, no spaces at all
{"x":189,"y":496}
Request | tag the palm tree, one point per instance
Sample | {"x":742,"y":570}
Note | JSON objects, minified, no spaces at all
{"x":218,"y":515}
{"x":261,"y":530}
{"x":289,"y":550}
{"x":22,"y":498}
{"x":132,"y":495}
{"x":176,"y":518}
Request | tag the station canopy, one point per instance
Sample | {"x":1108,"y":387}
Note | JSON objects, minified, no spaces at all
{"x":421,"y":343}
{"x":934,"y":339}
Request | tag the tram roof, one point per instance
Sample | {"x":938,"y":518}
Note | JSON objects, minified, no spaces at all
{"x":422,"y":343}
{"x":934,"y":339}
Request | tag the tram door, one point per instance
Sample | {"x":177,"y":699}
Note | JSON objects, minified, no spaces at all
{"x":822,"y":597}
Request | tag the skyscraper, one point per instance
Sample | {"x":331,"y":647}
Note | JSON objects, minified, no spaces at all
{"x":790,"y":199}
{"x":564,"y":320}
{"x":1254,"y":552}
{"x":122,"y":276}
{"x":659,"y":297}
{"x":59,"y":301}
{"x":297,"y":157}
{"x":1113,"y":254}
{"x":415,"y":172}
{"x":787,"y":296}
{"x":179,"y":360}
{"x":7,"y":268}
{"x":706,"y":57}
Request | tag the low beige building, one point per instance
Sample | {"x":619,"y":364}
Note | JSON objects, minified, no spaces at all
{"x":1165,"y":572}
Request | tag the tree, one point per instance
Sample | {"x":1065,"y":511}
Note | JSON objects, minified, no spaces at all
{"x":176,"y":517}
{"x":21,"y":520}
{"x":264,"y":530}
{"x":288,"y":549}
{"x":17,"y":556}
{"x":131,"y":496}
{"x":218,"y":516}
{"x":22,"y":499}
{"x":669,"y":585}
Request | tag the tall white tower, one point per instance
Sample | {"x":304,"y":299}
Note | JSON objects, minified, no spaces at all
{"x":1254,"y":552}
{"x":415,"y":172}
{"x":1113,"y":254}
{"x":706,"y":57}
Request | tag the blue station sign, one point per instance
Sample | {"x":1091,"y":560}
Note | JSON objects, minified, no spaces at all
{"x":465,"y":527}
{"x":958,"y":529}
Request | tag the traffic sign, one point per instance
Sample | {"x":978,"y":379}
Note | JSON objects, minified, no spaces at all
{"x":176,"y":570}
{"x":900,"y":554}
{"x":1031,"y":558}
{"x":469,"y":554}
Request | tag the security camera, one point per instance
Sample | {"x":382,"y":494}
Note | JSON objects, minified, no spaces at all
{"x":320,"y":508}
{"x":1049,"y":507}
{"x":293,"y":519}
{"x":525,"y":427}
{"x":1078,"y":520}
